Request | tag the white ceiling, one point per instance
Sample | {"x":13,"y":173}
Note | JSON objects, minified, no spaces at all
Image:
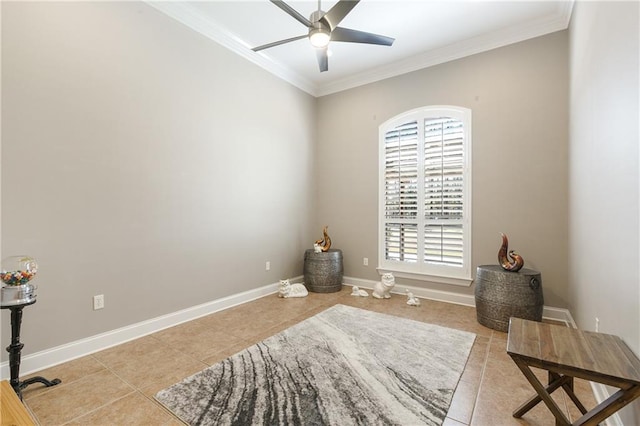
{"x":426,"y":32}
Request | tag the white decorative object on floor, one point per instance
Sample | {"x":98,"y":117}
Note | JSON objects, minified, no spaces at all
{"x":412,"y":300}
{"x":288,"y":290}
{"x":358,"y":293}
{"x":383,"y":288}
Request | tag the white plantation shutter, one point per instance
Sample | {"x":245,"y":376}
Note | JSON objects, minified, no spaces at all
{"x":401,"y":242}
{"x":401,"y":193}
{"x":401,"y":172}
{"x":444,"y":183}
{"x":425,"y":186}
{"x":443,"y":244}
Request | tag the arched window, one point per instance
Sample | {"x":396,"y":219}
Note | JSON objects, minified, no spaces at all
{"x":425,"y":195}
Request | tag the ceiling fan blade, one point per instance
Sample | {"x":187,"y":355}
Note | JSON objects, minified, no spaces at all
{"x":291,"y":11}
{"x":323,"y":59}
{"x":355,"y":36}
{"x":278,"y":43}
{"x":338,"y":12}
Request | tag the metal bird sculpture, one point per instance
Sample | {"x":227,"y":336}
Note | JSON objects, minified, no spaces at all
{"x":325,"y":243}
{"x":512,"y":261}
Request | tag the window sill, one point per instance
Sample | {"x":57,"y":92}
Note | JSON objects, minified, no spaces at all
{"x":462,"y":282}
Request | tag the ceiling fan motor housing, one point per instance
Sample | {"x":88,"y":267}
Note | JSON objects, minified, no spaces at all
{"x":319,"y":32}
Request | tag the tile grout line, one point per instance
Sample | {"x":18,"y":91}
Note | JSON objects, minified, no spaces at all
{"x":136,"y":389}
{"x":480,"y":383}
{"x":47,"y":390}
{"x":106,"y":367}
{"x":162,"y":407}
{"x":98,"y":408}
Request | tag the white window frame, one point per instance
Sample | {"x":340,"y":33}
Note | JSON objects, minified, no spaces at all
{"x":421,"y":270}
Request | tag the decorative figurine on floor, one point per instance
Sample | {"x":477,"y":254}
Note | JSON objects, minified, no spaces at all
{"x":288,"y":290}
{"x":513,"y":262}
{"x":358,"y":293}
{"x":383,"y":288}
{"x":325,"y":243}
{"x":411,"y":299}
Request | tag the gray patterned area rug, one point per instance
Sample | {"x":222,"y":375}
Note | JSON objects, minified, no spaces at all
{"x":342,"y":366}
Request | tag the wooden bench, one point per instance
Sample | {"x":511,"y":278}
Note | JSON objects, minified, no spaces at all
{"x":567,"y":353}
{"x":12,"y":412}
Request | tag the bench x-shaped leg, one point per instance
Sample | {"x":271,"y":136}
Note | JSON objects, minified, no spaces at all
{"x":544,"y":393}
{"x":610,"y":405}
{"x":603,"y":410}
{"x":556,"y":381}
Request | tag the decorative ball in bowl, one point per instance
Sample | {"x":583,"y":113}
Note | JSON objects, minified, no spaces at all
{"x":18,"y":270}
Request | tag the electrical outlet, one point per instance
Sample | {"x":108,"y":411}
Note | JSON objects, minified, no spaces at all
{"x":365,"y":261}
{"x":98,"y":302}
{"x":267,"y":266}
{"x":597,"y":324}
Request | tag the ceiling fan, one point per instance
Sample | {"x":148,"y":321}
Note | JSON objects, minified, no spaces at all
{"x":323,"y":28}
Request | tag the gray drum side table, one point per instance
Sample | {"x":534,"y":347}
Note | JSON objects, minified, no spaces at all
{"x":502,"y":294}
{"x":323,"y":271}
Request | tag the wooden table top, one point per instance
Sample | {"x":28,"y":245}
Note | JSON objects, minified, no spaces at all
{"x":595,"y":356}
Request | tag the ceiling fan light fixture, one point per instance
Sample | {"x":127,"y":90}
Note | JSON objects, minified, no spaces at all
{"x":319,"y":37}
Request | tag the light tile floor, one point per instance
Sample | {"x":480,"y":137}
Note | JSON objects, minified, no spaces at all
{"x":116,"y":386}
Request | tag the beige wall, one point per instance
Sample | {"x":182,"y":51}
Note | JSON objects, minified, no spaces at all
{"x":604,"y":182}
{"x":518,"y":98}
{"x":146,"y":163}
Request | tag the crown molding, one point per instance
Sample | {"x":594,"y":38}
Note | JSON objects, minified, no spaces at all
{"x":510,"y":35}
{"x":187,"y":15}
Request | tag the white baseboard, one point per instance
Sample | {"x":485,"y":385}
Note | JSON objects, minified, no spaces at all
{"x":67,"y":352}
{"x":559,"y":314}
{"x":442,"y":296}
{"x":548,"y":312}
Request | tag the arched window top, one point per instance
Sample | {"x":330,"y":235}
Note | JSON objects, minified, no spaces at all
{"x":460,"y":113}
